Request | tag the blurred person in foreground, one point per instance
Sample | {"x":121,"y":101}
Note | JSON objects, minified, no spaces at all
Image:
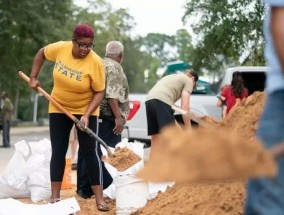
{"x":79,"y":83}
{"x":114,"y":108}
{"x":6,"y":115}
{"x":232,"y":93}
{"x":162,"y":97}
{"x":265,"y":195}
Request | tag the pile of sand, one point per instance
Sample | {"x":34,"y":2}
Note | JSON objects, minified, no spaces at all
{"x":190,"y":155}
{"x":244,"y":117}
{"x":216,"y":198}
{"x":122,"y":158}
{"x":199,"y":198}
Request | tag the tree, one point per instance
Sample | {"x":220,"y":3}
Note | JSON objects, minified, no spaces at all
{"x":26,"y":26}
{"x":116,"y":25}
{"x":160,"y":46}
{"x":183,"y":41}
{"x":232,"y":29}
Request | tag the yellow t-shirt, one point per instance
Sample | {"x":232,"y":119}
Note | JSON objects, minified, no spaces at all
{"x":75,"y":80}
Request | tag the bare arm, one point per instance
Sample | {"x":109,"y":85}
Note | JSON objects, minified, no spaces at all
{"x":185,"y":99}
{"x":277,"y":29}
{"x":96,"y":101}
{"x":220,"y":101}
{"x":119,"y":121}
{"x":37,"y":64}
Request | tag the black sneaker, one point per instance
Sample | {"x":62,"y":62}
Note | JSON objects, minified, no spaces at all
{"x":6,"y":146}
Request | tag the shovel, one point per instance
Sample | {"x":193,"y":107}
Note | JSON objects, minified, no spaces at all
{"x":71,"y":116}
{"x":191,"y":116}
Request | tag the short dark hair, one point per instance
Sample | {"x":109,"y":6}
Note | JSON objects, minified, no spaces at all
{"x":194,"y":75}
{"x":83,"y":31}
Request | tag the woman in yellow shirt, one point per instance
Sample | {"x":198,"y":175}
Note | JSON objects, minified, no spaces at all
{"x":79,"y":83}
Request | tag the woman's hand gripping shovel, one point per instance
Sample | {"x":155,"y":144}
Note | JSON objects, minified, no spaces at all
{"x":71,"y":116}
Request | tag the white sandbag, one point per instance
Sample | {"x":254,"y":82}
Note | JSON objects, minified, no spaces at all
{"x":13,"y":180}
{"x":11,"y":206}
{"x":27,"y":173}
{"x":155,"y":188}
{"x":15,"y":174}
{"x":6,"y":191}
{"x":41,"y":147}
{"x":110,"y":191}
{"x":23,"y":147}
{"x":39,"y":184}
{"x":39,"y":170}
{"x":137,"y":148}
{"x":64,"y":207}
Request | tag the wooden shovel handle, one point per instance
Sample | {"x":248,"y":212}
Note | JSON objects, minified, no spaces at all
{"x":191,"y":116}
{"x":48,"y":97}
{"x":71,"y":116}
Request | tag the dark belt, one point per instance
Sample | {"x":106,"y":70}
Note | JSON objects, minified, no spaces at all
{"x":108,"y":118}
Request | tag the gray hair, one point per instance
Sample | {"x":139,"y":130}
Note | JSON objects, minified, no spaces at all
{"x":114,"y":48}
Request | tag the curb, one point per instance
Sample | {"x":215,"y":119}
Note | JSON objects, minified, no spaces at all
{"x":22,"y":130}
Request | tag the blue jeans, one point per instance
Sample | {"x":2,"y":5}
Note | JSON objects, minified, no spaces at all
{"x":6,"y":133}
{"x":265,"y":196}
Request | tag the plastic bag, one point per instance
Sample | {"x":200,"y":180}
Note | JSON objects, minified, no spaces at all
{"x":27,"y":173}
{"x":13,"y":180}
{"x":39,"y":171}
{"x":137,"y":148}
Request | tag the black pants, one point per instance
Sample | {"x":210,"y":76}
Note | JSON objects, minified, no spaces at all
{"x":90,"y":154}
{"x":106,"y":132}
{"x":107,"y":135}
{"x":159,"y":115}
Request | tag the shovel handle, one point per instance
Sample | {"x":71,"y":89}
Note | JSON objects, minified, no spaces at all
{"x":191,"y":116}
{"x":48,"y":97}
{"x":71,"y":116}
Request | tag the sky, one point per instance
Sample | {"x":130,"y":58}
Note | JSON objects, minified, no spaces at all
{"x":153,"y":16}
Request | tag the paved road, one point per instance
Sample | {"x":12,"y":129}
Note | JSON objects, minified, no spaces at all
{"x":17,"y":134}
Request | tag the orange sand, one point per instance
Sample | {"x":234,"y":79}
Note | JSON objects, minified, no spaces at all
{"x":122,"y":158}
{"x":200,"y":198}
{"x":206,"y":155}
{"x":215,"y":198}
